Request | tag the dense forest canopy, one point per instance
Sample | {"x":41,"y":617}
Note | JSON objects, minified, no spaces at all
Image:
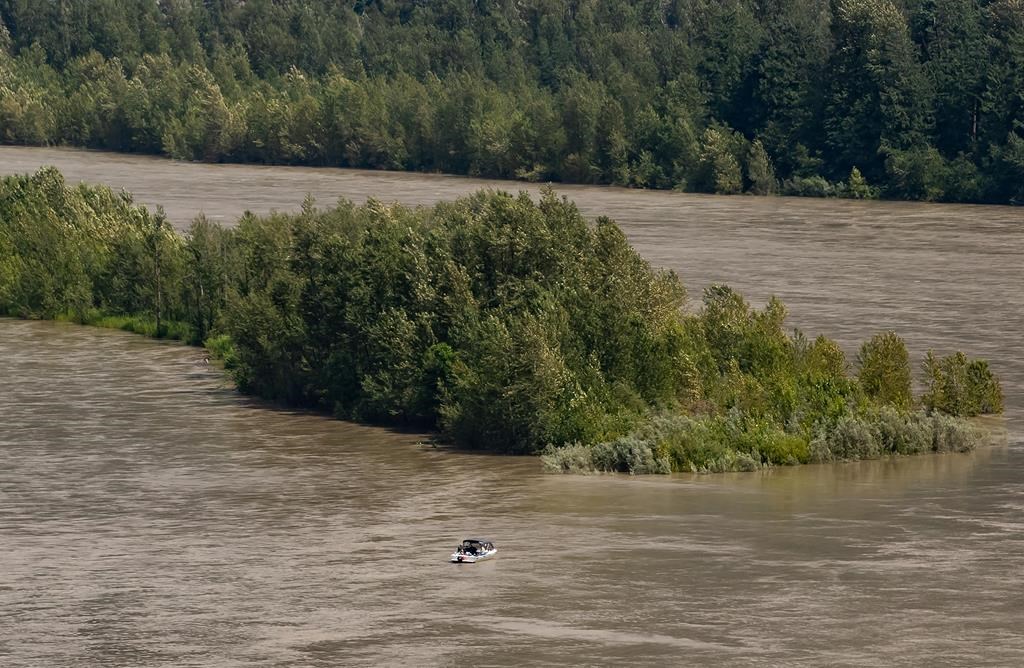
{"x":507,"y":324}
{"x":918,"y":99}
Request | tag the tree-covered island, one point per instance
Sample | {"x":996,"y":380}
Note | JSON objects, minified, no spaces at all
{"x":503,"y":323}
{"x":911,"y":99}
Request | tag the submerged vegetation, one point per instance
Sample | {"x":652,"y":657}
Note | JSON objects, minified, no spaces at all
{"x":910,"y":99}
{"x":506,"y":324}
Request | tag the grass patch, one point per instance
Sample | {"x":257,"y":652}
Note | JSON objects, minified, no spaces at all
{"x":714,"y":444}
{"x":222,"y":348}
{"x":138,"y":324}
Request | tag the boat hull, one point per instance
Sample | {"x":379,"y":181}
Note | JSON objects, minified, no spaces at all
{"x":460,"y":558}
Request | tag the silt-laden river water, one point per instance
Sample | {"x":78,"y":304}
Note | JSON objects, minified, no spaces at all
{"x":151,"y":516}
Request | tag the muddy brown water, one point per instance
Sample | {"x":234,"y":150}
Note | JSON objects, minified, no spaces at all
{"x":149,"y":515}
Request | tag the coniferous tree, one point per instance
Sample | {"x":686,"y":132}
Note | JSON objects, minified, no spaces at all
{"x":922,"y":96}
{"x":878,"y":96}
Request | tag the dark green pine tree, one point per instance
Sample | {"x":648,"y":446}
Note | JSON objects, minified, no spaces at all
{"x":1001,"y":131}
{"x":953,"y":42}
{"x":786,"y":98}
{"x":878,"y":97}
{"x":728,"y":35}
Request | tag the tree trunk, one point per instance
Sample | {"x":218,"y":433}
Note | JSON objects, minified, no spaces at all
{"x":159,"y":287}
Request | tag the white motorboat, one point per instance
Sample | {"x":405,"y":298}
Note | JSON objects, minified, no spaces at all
{"x":473,"y":550}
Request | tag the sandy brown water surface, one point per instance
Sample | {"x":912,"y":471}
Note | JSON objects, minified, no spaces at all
{"x":151,"y":516}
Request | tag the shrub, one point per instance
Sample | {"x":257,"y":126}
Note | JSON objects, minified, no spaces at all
{"x":689,"y":444}
{"x":904,"y":433}
{"x":917,"y":173}
{"x":719,"y":170}
{"x":629,"y":454}
{"x":893,"y":432}
{"x":885,"y":370}
{"x":857,"y":187}
{"x":850,"y":438}
{"x":570,"y":458}
{"x":699,"y":445}
{"x":221,"y":348}
{"x":952,"y":435}
{"x":760,"y":171}
{"x":964,"y":182}
{"x":961,"y":387}
{"x":778,"y":447}
{"x":808,"y":186}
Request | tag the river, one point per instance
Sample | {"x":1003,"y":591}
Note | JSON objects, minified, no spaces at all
{"x":149,"y":515}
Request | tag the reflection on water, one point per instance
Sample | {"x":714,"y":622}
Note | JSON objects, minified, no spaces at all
{"x":151,"y":516}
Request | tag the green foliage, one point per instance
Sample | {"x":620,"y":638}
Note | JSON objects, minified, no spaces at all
{"x":952,"y":34}
{"x":719,"y":167}
{"x":680,"y":443}
{"x":179,"y":331}
{"x":809,"y":186}
{"x":221,"y":348}
{"x":952,"y":435}
{"x":1010,"y":159}
{"x":904,"y":433}
{"x":877,"y":96}
{"x":919,"y":173}
{"x":960,"y":387}
{"x":509,"y":324}
{"x":5,"y":38}
{"x":884,"y":373}
{"x":627,"y":454}
{"x":892,"y":432}
{"x":857,"y":187}
{"x":760,"y":170}
{"x":850,"y":438}
{"x":620,"y":92}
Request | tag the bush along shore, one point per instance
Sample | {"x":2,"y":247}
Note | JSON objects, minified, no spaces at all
{"x":503,"y":323}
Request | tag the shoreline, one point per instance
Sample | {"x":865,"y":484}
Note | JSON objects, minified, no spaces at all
{"x":509,"y":185}
{"x":328,"y":183}
{"x":995,"y":428}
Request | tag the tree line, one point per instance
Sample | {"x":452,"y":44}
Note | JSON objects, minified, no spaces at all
{"x":503,"y":323}
{"x":914,"y":99}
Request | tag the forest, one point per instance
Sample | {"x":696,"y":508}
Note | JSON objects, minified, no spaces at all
{"x":905,"y":99}
{"x":502,"y":323}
